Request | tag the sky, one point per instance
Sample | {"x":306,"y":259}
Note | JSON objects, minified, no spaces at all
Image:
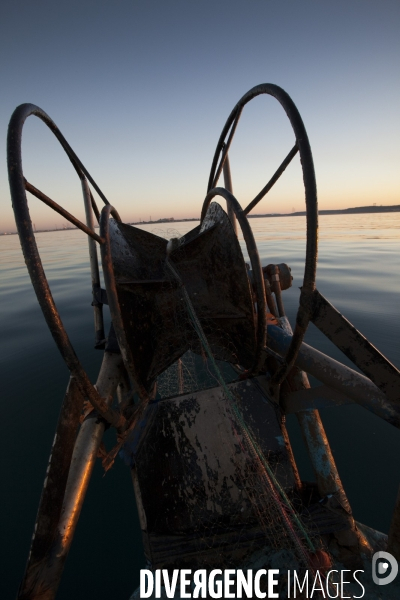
{"x":141,"y":89}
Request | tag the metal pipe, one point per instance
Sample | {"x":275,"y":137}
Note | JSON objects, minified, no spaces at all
{"x":310,"y":186}
{"x":320,"y":453}
{"x":94,"y":206}
{"x":83,"y":460}
{"x":273,"y":179}
{"x":258,"y":278}
{"x":276,"y":288}
{"x":229,"y":187}
{"x":356,"y":347}
{"x":43,"y":578}
{"x":113,"y":300}
{"x":54,"y":486}
{"x":86,"y":446}
{"x":326,"y":473}
{"x":348,"y":542}
{"x":306,"y":160}
{"x":31,"y":252}
{"x":94,"y":269}
{"x":270,"y":299}
{"x":289,"y":450}
{"x":61,"y":211}
{"x":223,"y":149}
{"x":337,"y":376}
{"x":18,"y":118}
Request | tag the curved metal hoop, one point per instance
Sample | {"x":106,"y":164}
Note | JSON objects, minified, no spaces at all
{"x":31,"y":253}
{"x":255,"y":263}
{"x":109,"y":279}
{"x":303,"y":145}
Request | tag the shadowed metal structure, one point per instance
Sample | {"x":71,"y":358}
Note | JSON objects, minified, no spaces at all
{"x":200,"y":367}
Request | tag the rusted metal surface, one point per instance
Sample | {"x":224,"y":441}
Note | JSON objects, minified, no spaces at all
{"x":285,"y":163}
{"x":94,"y":269}
{"x":107,"y":224}
{"x":273,"y":273}
{"x":17,"y":121}
{"x":303,"y":145}
{"x":332,"y":373}
{"x":229,"y":187}
{"x":67,"y":479}
{"x":85,"y":453}
{"x":94,"y":206}
{"x":191,"y":496}
{"x":346,"y":542}
{"x":289,"y":450}
{"x":53,"y":490}
{"x":270,"y":299}
{"x":31,"y":253}
{"x":394,"y":532}
{"x":191,"y":493}
{"x":258,"y":280}
{"x":327,"y":476}
{"x":219,"y":159}
{"x":61,"y":211}
{"x":284,"y":272}
{"x":356,"y":347}
{"x":150,"y":320}
{"x":376,"y":539}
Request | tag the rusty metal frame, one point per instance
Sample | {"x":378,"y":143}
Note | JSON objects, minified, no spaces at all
{"x":273,"y":180}
{"x":255,"y":263}
{"x":109,"y":279}
{"x":18,"y":186}
{"x":312,"y":307}
{"x":337,"y":376}
{"x":303,"y":147}
{"x":100,"y":338}
{"x":223,"y":147}
{"x":61,"y":211}
{"x":229,"y":187}
{"x":357,"y":348}
{"x":67,"y":478}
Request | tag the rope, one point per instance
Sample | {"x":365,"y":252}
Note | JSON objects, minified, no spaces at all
{"x":256,"y":451}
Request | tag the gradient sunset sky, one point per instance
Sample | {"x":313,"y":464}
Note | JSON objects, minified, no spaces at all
{"x":142,"y":89}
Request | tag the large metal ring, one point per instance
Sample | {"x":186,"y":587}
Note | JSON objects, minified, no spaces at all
{"x":224,"y":142}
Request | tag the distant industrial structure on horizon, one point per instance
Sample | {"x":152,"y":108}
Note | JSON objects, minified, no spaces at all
{"x":374,"y":208}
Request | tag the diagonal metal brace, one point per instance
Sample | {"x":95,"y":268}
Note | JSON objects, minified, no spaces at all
{"x":53,"y":493}
{"x":356,"y":347}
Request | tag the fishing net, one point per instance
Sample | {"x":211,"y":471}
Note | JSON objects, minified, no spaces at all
{"x":212,"y":473}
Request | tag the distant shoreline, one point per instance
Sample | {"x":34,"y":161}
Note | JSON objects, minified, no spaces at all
{"x":342,"y":211}
{"x":339,"y":211}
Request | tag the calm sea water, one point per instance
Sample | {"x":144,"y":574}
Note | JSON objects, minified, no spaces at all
{"x":358,"y":272}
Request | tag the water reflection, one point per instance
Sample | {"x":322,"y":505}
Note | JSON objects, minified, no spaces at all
{"x":358,"y":272}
